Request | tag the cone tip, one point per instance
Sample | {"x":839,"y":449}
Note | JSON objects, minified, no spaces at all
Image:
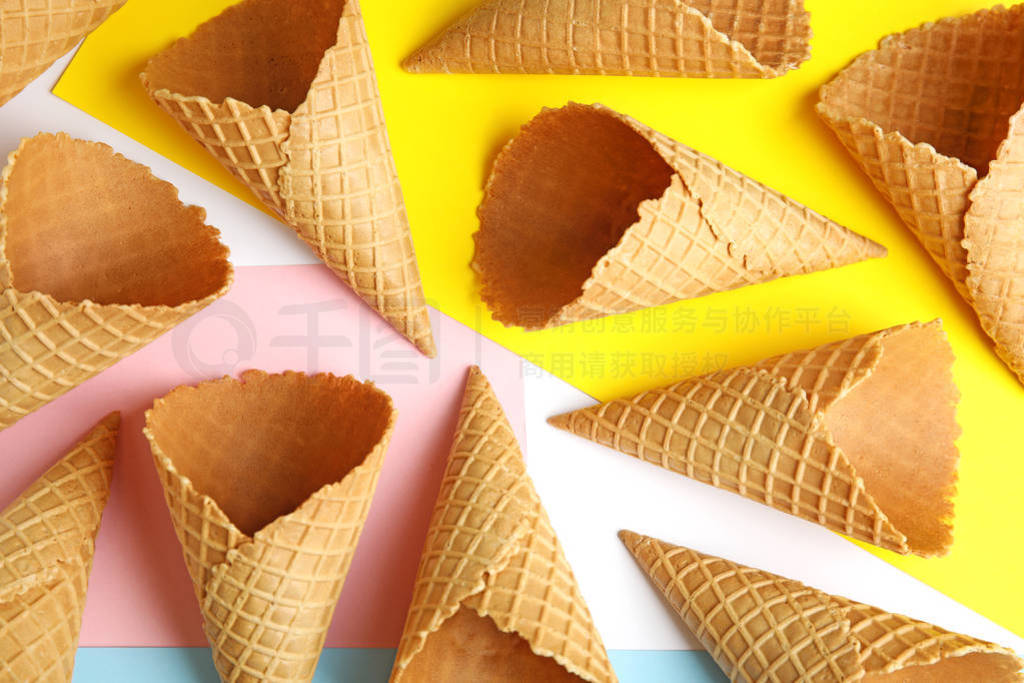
{"x":112,"y":421}
{"x":560,"y":421}
{"x":411,"y":64}
{"x":876,"y":250}
{"x":631,"y":539}
{"x":476,"y":380}
{"x":420,"y":61}
{"x":426,"y":346}
{"x":104,"y":432}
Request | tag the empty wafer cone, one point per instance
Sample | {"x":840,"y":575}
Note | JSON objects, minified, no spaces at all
{"x":268,"y":480}
{"x":97,"y":259}
{"x":858,"y":435}
{"x":689,"y":38}
{"x":284,"y":95}
{"x":589,"y":213}
{"x":495,"y":599}
{"x":33,"y":35}
{"x":926,"y":115}
{"x":47,"y":540}
{"x":762,"y":627}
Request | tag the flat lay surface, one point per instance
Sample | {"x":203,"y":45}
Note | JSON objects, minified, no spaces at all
{"x":286,"y":311}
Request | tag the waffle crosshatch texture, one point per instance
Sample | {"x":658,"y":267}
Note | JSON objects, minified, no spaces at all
{"x":68,"y":310}
{"x":47,"y":540}
{"x":802,"y":433}
{"x":445,"y":129}
{"x":926,"y":115}
{"x":320,"y":158}
{"x":35,"y":33}
{"x":763,"y":627}
{"x":689,"y":38}
{"x":589,"y":213}
{"x":268,"y":504}
{"x":493,"y":577}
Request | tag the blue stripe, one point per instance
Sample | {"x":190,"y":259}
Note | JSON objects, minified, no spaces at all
{"x":177,"y":665}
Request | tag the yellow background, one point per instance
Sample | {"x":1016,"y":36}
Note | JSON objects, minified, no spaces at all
{"x":445,"y":130}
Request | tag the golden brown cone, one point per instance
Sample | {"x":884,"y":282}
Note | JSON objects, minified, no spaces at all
{"x":689,"y":38}
{"x":924,"y":128}
{"x":268,"y":480}
{"x":47,"y":540}
{"x":494,"y":599}
{"x":994,"y":243}
{"x":759,"y":626}
{"x":81,"y":289}
{"x":589,"y":213}
{"x":858,"y":435}
{"x":285,"y":96}
{"x":33,"y":35}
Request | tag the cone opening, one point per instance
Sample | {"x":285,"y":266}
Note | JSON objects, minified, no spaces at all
{"x":261,"y":52}
{"x":470,"y":647}
{"x":776,"y":32}
{"x":560,"y":195}
{"x":898,"y":428}
{"x":945,"y":84}
{"x":261,"y":446}
{"x":85,"y":223}
{"x":976,"y":666}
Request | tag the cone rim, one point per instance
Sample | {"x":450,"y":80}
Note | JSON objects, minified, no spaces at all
{"x":87,"y":303}
{"x":167,"y":93}
{"x":166,"y":464}
{"x":826,"y":109}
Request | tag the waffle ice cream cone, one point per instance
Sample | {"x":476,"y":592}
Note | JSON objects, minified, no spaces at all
{"x":268,"y":480}
{"x":47,"y":540}
{"x":34,"y":34}
{"x":857,"y":436}
{"x":97,"y":259}
{"x":941,"y":138}
{"x":284,"y":95}
{"x":494,"y":599}
{"x":689,"y":38}
{"x":762,"y":627}
{"x":589,"y":213}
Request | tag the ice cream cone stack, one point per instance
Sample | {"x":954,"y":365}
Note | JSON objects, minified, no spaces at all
{"x":925,"y":128}
{"x":285,"y":96}
{"x":269,"y":481}
{"x":33,"y":35}
{"x":97,"y":259}
{"x":858,"y":436}
{"x":47,"y":540}
{"x":590,"y":213}
{"x":688,"y":38}
{"x":494,"y":599}
{"x":759,"y":626}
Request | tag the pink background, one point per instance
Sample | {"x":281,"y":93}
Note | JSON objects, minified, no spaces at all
{"x":139,"y":593}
